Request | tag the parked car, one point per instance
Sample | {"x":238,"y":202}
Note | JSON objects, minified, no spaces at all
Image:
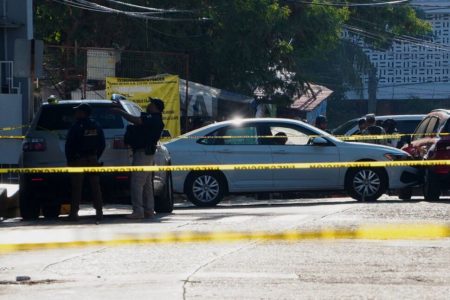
{"x":301,"y":143}
{"x":406,"y":124}
{"x":431,"y":141}
{"x":44,"y":147}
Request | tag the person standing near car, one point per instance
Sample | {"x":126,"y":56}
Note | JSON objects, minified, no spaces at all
{"x":143,"y":137}
{"x":84,"y":146}
{"x":322,"y":123}
{"x":373,"y":129}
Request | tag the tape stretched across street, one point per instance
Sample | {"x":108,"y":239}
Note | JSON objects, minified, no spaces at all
{"x":12,"y":137}
{"x":230,"y":167}
{"x":389,"y":232}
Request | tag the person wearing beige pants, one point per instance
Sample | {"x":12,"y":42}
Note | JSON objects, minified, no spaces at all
{"x":142,"y":197}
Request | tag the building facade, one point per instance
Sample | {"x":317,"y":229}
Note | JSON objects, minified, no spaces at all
{"x":413,"y":68}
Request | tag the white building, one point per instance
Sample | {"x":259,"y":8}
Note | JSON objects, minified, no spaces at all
{"x":412,"y":69}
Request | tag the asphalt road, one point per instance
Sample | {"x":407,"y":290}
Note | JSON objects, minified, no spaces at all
{"x":340,"y":269}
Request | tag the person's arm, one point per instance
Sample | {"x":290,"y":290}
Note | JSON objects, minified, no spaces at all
{"x":130,"y":118}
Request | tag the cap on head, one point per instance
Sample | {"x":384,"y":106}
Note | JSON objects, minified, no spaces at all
{"x":158,"y":103}
{"x":84,"y":107}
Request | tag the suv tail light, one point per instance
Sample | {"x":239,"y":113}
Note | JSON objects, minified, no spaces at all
{"x":34,"y":145}
{"x":119,"y":143}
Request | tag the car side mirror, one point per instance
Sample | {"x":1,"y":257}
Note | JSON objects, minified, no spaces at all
{"x":319,"y":141}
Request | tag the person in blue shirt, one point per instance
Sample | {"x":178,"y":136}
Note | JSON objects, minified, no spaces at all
{"x":84,"y":146}
{"x":143,"y":138}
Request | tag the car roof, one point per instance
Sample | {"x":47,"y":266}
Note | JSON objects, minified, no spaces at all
{"x":441,"y":110}
{"x":89,"y":101}
{"x":395,"y":117}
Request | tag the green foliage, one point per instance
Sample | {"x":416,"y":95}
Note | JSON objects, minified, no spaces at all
{"x":246,"y":44}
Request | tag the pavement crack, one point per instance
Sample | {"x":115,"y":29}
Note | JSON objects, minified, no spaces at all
{"x":70,"y":258}
{"x":211,"y":261}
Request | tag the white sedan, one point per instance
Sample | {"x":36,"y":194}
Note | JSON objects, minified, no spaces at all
{"x":266,"y":141}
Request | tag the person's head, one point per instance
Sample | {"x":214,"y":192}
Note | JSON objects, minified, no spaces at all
{"x":389,"y":125}
{"x":321,"y":122}
{"x":371,"y":120}
{"x":156,"y":106}
{"x":82,"y":111}
{"x":362,"y":124}
{"x":281,"y":138}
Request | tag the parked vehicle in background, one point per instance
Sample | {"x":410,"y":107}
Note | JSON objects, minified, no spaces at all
{"x":406,"y":124}
{"x":44,"y":147}
{"x":290,"y":141}
{"x":431,"y":141}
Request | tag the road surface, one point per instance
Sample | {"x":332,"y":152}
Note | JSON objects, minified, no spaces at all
{"x":311,"y":269}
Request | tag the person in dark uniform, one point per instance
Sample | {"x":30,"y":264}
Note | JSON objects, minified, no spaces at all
{"x":374,"y":129}
{"x":84,"y":146}
{"x":322,"y":123}
{"x":143,"y":140}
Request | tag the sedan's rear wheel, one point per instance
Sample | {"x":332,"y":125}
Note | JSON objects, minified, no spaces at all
{"x":205,"y":189}
{"x":366,"y":184}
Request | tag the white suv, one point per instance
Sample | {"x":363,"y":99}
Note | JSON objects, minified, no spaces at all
{"x":44,"y":147}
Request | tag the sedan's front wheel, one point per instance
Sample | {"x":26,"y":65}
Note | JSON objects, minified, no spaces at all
{"x":366,"y":184}
{"x":205,"y":189}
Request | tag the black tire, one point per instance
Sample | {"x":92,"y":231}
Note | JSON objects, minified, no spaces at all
{"x":405,"y":194}
{"x":366,"y":184}
{"x":51,"y":211}
{"x":29,"y":205}
{"x":431,"y":187}
{"x":164,"y":203}
{"x":205,"y":189}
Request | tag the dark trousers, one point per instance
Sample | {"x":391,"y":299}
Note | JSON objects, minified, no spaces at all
{"x":77,"y":184}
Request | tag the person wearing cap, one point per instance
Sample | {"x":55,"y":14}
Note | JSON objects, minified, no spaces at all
{"x":322,"y":123}
{"x":147,"y":132}
{"x":85,"y":144}
{"x":373,"y":129}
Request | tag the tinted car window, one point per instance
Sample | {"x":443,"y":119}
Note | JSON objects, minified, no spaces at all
{"x":289,"y":136}
{"x":344,"y":128}
{"x":432,"y":126}
{"x":61,"y":117}
{"x":419,"y":133}
{"x":407,"y":126}
{"x":245,"y":135}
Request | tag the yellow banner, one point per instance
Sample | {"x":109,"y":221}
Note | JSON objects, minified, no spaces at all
{"x":166,"y":88}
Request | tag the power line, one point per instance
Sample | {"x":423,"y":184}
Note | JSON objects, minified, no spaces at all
{"x":346,"y":4}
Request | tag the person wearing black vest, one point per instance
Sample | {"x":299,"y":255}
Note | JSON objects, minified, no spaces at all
{"x":143,"y":137}
{"x":85,"y":144}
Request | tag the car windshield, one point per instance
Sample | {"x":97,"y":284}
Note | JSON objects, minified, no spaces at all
{"x":61,"y":117}
{"x":344,"y":128}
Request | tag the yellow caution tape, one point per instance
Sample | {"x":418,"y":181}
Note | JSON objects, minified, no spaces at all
{"x":389,"y":232}
{"x":231,"y":167}
{"x":13,"y":127}
{"x":12,"y":137}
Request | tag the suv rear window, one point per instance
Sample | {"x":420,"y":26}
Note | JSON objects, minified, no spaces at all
{"x":61,"y":117}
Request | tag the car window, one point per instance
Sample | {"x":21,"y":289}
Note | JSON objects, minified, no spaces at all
{"x":61,"y":117}
{"x":432,"y":127}
{"x":246,"y":135}
{"x":421,"y":129}
{"x":344,"y":128}
{"x":242,"y":135}
{"x":407,"y":126}
{"x":288,"y":136}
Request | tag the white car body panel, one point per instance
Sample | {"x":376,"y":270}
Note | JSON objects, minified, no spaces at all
{"x":186,"y":150}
